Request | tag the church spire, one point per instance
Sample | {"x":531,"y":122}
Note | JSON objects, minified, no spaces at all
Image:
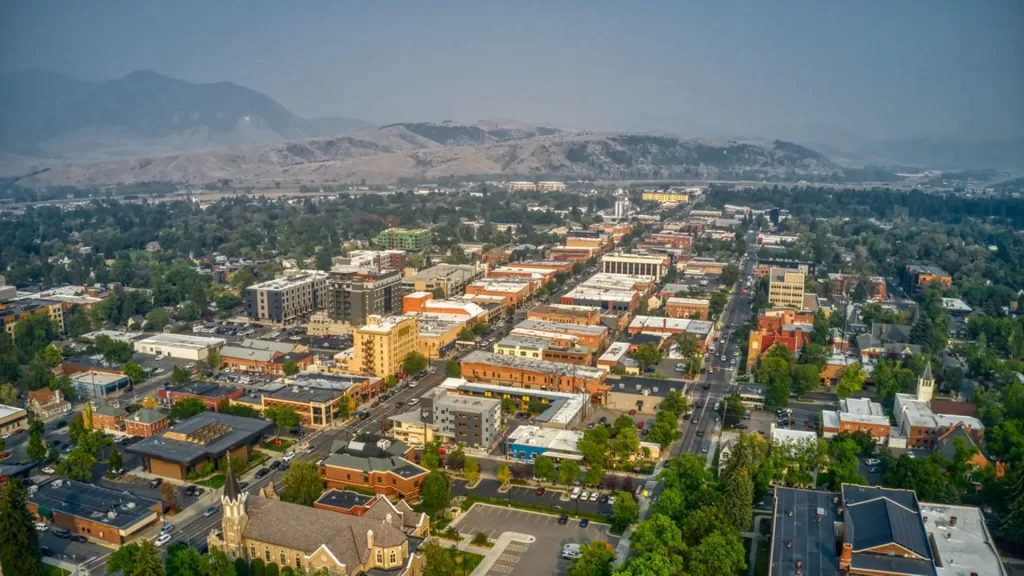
{"x":231,"y":490}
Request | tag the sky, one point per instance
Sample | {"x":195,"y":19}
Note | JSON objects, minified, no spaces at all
{"x":799,"y":69}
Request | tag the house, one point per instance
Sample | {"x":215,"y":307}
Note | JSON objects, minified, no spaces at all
{"x":959,"y":437}
{"x":46,"y":403}
{"x":107,"y":417}
{"x":887,"y":341}
{"x":371,"y":462}
{"x":146,"y":422}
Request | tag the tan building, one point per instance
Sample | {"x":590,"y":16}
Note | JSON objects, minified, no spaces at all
{"x":382,"y":344}
{"x":12,"y":418}
{"x":311,"y":539}
{"x":13,"y":312}
{"x":692,"y":308}
{"x":566,"y":314}
{"x":635,"y":264}
{"x":786,"y":288}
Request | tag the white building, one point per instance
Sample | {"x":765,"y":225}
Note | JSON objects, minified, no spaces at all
{"x":178,"y":346}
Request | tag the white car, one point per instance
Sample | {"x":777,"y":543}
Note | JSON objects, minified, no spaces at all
{"x":7,"y":435}
{"x":288,"y":456}
{"x":163,"y":539}
{"x":49,"y":470}
{"x":585,"y":496}
{"x":594,"y":496}
{"x":42,"y":526}
{"x":575,"y":494}
{"x":911,"y":455}
{"x":872,"y":461}
{"x":611,"y":500}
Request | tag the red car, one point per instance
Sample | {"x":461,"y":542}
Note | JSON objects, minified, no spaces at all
{"x":640,"y":425}
{"x":632,"y":412}
{"x":539,"y":491}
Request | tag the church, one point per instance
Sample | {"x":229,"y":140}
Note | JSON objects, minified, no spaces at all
{"x":383,"y":540}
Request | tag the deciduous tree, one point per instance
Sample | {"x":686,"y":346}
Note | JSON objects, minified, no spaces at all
{"x":625,"y":511}
{"x":544,"y":468}
{"x":302,"y":484}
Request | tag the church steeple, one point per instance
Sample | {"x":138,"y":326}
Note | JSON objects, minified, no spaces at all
{"x":231,"y":490}
{"x":235,"y":516}
{"x":926,"y":384}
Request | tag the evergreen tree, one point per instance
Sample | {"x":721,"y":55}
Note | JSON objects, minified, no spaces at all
{"x":19,"y":544}
{"x":738,"y":499}
{"x":1013,"y":522}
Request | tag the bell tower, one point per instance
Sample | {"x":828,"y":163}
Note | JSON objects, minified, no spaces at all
{"x":235,"y":517}
{"x":926,"y":384}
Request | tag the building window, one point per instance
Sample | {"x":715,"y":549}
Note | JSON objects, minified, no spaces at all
{"x":298,"y":561}
{"x":394,"y":557}
{"x":380,"y":557}
{"x":252,"y":550}
{"x":266,"y":553}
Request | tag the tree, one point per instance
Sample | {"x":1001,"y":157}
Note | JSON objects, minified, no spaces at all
{"x":19,"y":542}
{"x":214,"y":362}
{"x":738,"y":499}
{"x":594,"y":476}
{"x":1013,"y":523}
{"x":658,"y":535}
{"x":134,"y":372}
{"x":302,"y":484}
{"x":822,"y":328}
{"x":186,"y":408}
{"x":625,"y":511}
{"x":852,"y":381}
{"x":544,"y":468}
{"x":242,"y":567}
{"x":78,"y":465}
{"x":814,"y":354}
{"x":452,"y":369}
{"x":647,"y":355}
{"x":184,"y":561}
{"x":52,"y":356}
{"x":686,"y":345}
{"x":481,"y":328}
{"x":626,"y":443}
{"x":147,"y":562}
{"x":123,"y":559}
{"x":675,"y":403}
{"x":291,"y":368}
{"x":157,"y":319}
{"x":435,"y":492}
{"x":283,"y":417}
{"x":568,"y":472}
{"x":439,"y":561}
{"x":471,"y":470}
{"x":503,"y":474}
{"x":774,"y":372}
{"x":36,"y":449}
{"x":730,"y":274}
{"x":595,"y":560}
{"x":170,"y":495}
{"x":180,"y":375}
{"x":414,"y":363}
{"x":805,"y":378}
{"x":719,"y":553}
{"x":115,"y":461}
{"x":717,"y":304}
{"x":431,"y":458}
{"x":8,"y":394}
{"x":218,"y":564}
{"x":257,"y":567}
{"x":594,"y":445}
{"x":860,"y":292}
{"x":77,"y":426}
{"x":466,"y":335}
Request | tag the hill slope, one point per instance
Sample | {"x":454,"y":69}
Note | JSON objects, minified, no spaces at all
{"x":48,"y":114}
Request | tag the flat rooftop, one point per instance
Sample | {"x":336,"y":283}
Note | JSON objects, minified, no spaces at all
{"x":688,"y":301}
{"x":329,"y":381}
{"x":562,"y":327}
{"x":962,"y":549}
{"x":600,"y":294}
{"x":803,"y":536}
{"x":344,"y":499}
{"x":181,"y":341}
{"x":116,"y":335}
{"x":568,"y":309}
{"x":450,"y":272}
{"x":660,"y":323}
{"x":94,"y":377}
{"x":564,"y":441}
{"x":615,"y":352}
{"x":292,"y":281}
{"x":532,"y":364}
{"x":305,"y":394}
{"x":8,"y":411}
{"x":120,"y":509}
{"x":464,"y":403}
{"x":220,"y":432}
{"x":383,"y":325}
{"x":524,"y":341}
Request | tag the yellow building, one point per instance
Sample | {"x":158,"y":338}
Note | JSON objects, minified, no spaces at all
{"x":664,"y":197}
{"x":522,"y":346}
{"x":786,"y":288}
{"x":411,"y":429}
{"x":438,"y":333}
{"x":13,"y":312}
{"x":382,"y":344}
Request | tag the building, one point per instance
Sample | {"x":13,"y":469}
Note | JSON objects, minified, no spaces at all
{"x":313,"y":539}
{"x":572,"y":253}
{"x":765,"y":265}
{"x":857,"y":415}
{"x":98,"y":513}
{"x":530,"y":373}
{"x":46,"y":403}
{"x":593,"y":337}
{"x":776,"y":239}
{"x":919,"y":276}
{"x":886,"y":341}
{"x":956,"y":307}
{"x":210,"y":394}
{"x":107,"y":417}
{"x":371,"y":260}
{"x":351,"y":297}
{"x":14,"y":311}
{"x":566,"y":314}
{"x":98,"y":384}
{"x":558,"y":349}
{"x":790,"y":436}
{"x":287,"y":300}
{"x":461,"y":420}
{"x":317,"y":407}
{"x":146,"y":422}
{"x":259,"y":361}
{"x":786,"y":288}
{"x":528,"y":442}
{"x":202,"y":439}
{"x":609,"y":300}
{"x":551,"y":186}
{"x":382,"y":344}
{"x":451,"y":279}
{"x":921,"y":425}
{"x":359,"y":388}
{"x":522,"y":186}
{"x":180,"y":346}
{"x":783,"y":327}
{"x":700,"y":329}
{"x":408,"y":239}
{"x":640,"y":394}
{"x":438,"y":333}
{"x":635,"y":265}
{"x":845,"y":284}
{"x":371,"y":462}
{"x":559,"y":409}
{"x":12,"y":418}
{"x":513,"y":293}
{"x":356,"y":504}
{"x":664,"y":196}
{"x":948,"y":443}
{"x":874,"y":531}
{"x":470,"y":312}
{"x":693,"y":308}
{"x":617,"y":356}
{"x":673,"y":240}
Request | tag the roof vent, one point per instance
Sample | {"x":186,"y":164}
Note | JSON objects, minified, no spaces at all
{"x":789,"y":543}
{"x":952,"y":520}
{"x":789,"y":512}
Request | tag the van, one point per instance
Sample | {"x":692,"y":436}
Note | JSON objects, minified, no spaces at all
{"x":575,"y":493}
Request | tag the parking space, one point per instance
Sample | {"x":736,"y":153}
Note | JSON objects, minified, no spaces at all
{"x":550,"y":497}
{"x":543,"y":556}
{"x":68,"y":550}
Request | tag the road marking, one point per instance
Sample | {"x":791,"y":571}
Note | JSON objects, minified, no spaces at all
{"x":502,"y":568}
{"x":517,"y":548}
{"x":510,"y":558}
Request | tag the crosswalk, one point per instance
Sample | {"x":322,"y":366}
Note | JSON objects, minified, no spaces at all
{"x":506,"y":562}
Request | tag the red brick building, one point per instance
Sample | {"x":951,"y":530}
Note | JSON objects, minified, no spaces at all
{"x":146,"y":422}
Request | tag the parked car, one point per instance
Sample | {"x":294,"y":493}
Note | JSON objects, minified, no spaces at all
{"x":61,"y":533}
{"x":262,"y":472}
{"x":42,"y":526}
{"x":539,"y":491}
{"x":163,"y":539}
{"x":741,"y":426}
{"x":874,"y":461}
{"x":167,"y":529}
{"x":275,"y":464}
{"x":288,"y":456}
{"x":48,"y":470}
{"x":632,"y":412}
{"x":563,"y":519}
{"x":603,"y":499}
{"x":585,"y":496}
{"x":78,"y":538}
{"x":594,"y":496}
{"x":584,"y":522}
{"x":575,"y":494}
{"x":45,"y":551}
{"x":611,"y":500}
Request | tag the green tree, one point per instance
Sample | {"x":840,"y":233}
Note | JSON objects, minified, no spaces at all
{"x":19,"y":543}
{"x":481,"y":328}
{"x":822,"y":328}
{"x":814,"y":354}
{"x":805,"y":378}
{"x":213,"y":360}
{"x":123,"y":559}
{"x":283,"y":417}
{"x":595,"y":560}
{"x":720,"y":553}
{"x":134,"y":372}
{"x":594,"y":476}
{"x":36,"y":449}
{"x":180,"y":375}
{"x":775,"y":374}
{"x":1012,"y":526}
{"x":471,"y":470}
{"x":184,"y":561}
{"x":568,"y":472}
{"x":302,"y":484}
{"x":658,"y":535}
{"x":257,"y":567}
{"x":414,"y":362}
{"x":8,"y":394}
{"x":686,"y":345}
{"x":503,"y":474}
{"x":157,"y":319}
{"x":115,"y":461}
{"x":76,"y":428}
{"x":738,"y":499}
{"x":218,"y":564}
{"x":439,"y":561}
{"x":730,"y":274}
{"x":291,"y":368}
{"x":186,"y":408}
{"x":52,"y":356}
{"x":647,"y":355}
{"x":452,"y":369}
{"x":625,"y":444}
{"x":431,"y":458}
{"x":625,"y":511}
{"x":852,"y":381}
{"x":466,"y":335}
{"x":594,"y":445}
{"x":242,"y":567}
{"x":78,"y":465}
{"x":544,"y":468}
{"x":435,"y":492}
{"x":147,"y":562}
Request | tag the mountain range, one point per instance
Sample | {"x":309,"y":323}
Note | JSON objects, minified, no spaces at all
{"x":56,"y":130}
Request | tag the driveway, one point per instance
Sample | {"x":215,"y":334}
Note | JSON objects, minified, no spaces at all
{"x":68,"y":551}
{"x":541,"y":557}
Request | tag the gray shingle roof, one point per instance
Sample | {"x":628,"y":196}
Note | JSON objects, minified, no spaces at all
{"x":877,"y":516}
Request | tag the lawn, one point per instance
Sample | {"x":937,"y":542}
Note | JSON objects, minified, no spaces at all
{"x":469,"y":561}
{"x":283,"y":445}
{"x":761,"y":563}
{"x":216,"y":481}
{"x":50,"y":570}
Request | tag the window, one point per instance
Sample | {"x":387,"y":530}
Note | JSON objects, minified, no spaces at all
{"x":252,"y":550}
{"x":393,"y":557}
{"x":266,"y":553}
{"x":380,"y":557}
{"x":298,"y":561}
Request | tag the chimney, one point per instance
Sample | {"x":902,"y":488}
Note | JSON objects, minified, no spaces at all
{"x":799,"y":567}
{"x":846,"y":558}
{"x":387,"y":518}
{"x":789,"y":543}
{"x":952,"y":520}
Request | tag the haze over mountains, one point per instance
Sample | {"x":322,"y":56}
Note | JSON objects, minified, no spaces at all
{"x":149,"y":127}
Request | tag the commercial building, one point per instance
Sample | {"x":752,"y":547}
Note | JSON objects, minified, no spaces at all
{"x":921,"y":425}
{"x":382,"y":344}
{"x":635,"y":265}
{"x":12,"y":418}
{"x":664,"y":196}
{"x":573,"y":253}
{"x":146,"y":422}
{"x":259,"y":361}
{"x":566,"y":314}
{"x":470,"y":312}
{"x":857,"y":415}
{"x":786,"y":288}
{"x":371,"y":462}
{"x":617,"y":356}
{"x":107,"y":417}
{"x":593,"y":337}
{"x":673,"y":240}
{"x":640,"y":394}
{"x":180,"y":346}
{"x":46,"y":403}
{"x":845,"y":284}
{"x":919,"y":276}
{"x":700,"y":329}
{"x":530,"y":373}
{"x":98,"y":384}
{"x":692,"y":308}
{"x":526,"y":443}
{"x":351,"y":297}
{"x":437,"y":333}
{"x":452,"y":279}
{"x":461,"y":420}
{"x":316,"y":407}
{"x":874,"y":531}
{"x":370,"y":260}
{"x":204,"y":438}
{"x":609,"y":300}
{"x":558,"y":349}
{"x":512,"y":292}
{"x":408,"y":239}
{"x":560,"y":409}
{"x":287,"y":300}
{"x":776,"y":239}
{"x":595,"y":241}
{"x":14,"y":311}
{"x":302,"y":538}
{"x":96,"y":512}
{"x":359,"y":388}
{"x":765,"y":265}
{"x":208,"y":393}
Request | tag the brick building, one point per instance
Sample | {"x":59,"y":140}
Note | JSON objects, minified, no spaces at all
{"x":687,"y":308}
{"x":206,"y":392}
{"x":566,"y":314}
{"x":530,"y":373}
{"x":146,"y":422}
{"x":98,"y":513}
{"x":371,"y":462}
{"x":857,"y":414}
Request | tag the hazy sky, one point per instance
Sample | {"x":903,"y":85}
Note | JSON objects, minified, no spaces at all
{"x":878,"y":68}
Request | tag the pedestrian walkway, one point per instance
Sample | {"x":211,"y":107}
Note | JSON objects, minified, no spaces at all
{"x":506,"y":550}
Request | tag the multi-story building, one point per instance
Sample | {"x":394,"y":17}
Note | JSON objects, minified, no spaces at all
{"x":566,"y":314}
{"x":382,"y":344}
{"x":779,"y":326}
{"x":765,"y":265}
{"x":106,"y":417}
{"x":921,"y":425}
{"x":606,"y":299}
{"x":206,"y":392}
{"x":12,"y":312}
{"x":920,"y":276}
{"x":371,"y":260}
{"x":700,"y":329}
{"x":559,"y":348}
{"x":550,"y":186}
{"x":438,"y":333}
{"x":786,"y":288}
{"x":351,"y":296}
{"x":514,"y":292}
{"x":692,"y":308}
{"x":408,"y":239}
{"x":672,"y":239}
{"x":536,"y":276}
{"x":635,"y":264}
{"x":317,"y":407}
{"x":12,"y":418}
{"x":845,"y":284}
{"x":664,"y":196}
{"x":857,"y":415}
{"x":146,"y":422}
{"x":593,"y":337}
{"x":180,"y":346}
{"x":572,"y":253}
{"x":463,"y":420}
{"x":452,"y":279}
{"x":286,"y":300}
{"x":256,"y":361}
{"x":469,"y":311}
{"x":776,"y":239}
{"x":530,"y":373}
{"x":45,"y":403}
{"x":522,"y":186}
{"x":371,"y":462}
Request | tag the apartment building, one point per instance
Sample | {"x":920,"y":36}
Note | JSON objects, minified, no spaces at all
{"x":919,"y":276}
{"x":692,"y":308}
{"x":287,"y":300}
{"x":382,"y":344}
{"x":14,"y":311}
{"x":408,"y":239}
{"x":786,"y":288}
{"x":857,"y":415}
{"x":522,"y":186}
{"x":352,"y":296}
{"x":635,"y":264}
{"x":371,"y":260}
{"x":764,"y":266}
{"x":845,"y":284}
{"x":450,"y":278}
{"x":463,"y":420}
{"x":664,"y":196}
{"x":531,"y":373}
{"x":551,"y":186}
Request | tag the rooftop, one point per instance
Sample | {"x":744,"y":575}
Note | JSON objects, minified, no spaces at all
{"x":147,"y":416}
{"x":372,"y":453}
{"x":802,"y":536}
{"x":449,"y":272}
{"x":462,"y":403}
{"x":94,"y":377}
{"x":205,"y":435}
{"x":551,"y":439}
{"x":688,"y":301}
{"x":291,"y":281}
{"x":121,"y":509}
{"x":116,"y":335}
{"x":524,"y":341}
{"x":305,"y":394}
{"x":181,"y":341}
{"x":509,"y":285}
{"x":532,"y":364}
{"x":344,"y":499}
{"x":600,"y":294}
{"x":659,"y":323}
{"x":328,"y":381}
{"x":204,"y":389}
{"x":862,"y":410}
{"x":381,"y":324}
{"x":964,"y":548}
{"x":8,"y":411}
{"x":567,"y":309}
{"x":656,"y":387}
{"x":562,"y":328}
{"x":253,"y":354}
{"x":926,"y":269}
{"x":562,"y":407}
{"x":615,"y":352}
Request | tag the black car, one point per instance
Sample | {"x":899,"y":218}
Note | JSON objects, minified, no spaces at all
{"x":78,"y":538}
{"x":275,"y":464}
{"x":61,"y":533}
{"x":243,"y":485}
{"x":262,"y":472}
{"x":46,"y":551}
{"x":603,"y":499}
{"x":563,"y":519}
{"x":60,"y":424}
{"x":741,"y":426}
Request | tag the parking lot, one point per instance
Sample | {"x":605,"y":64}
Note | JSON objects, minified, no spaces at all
{"x":543,"y":556}
{"x":528,"y":495}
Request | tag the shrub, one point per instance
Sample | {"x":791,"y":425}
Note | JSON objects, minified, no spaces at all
{"x":480,"y":539}
{"x":272,"y":570}
{"x":257,"y":568}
